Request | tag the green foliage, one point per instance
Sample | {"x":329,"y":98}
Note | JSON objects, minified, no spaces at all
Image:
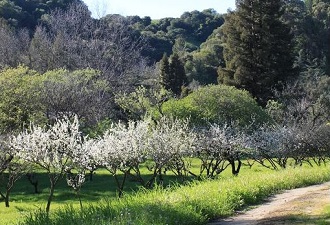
{"x":202,"y":64}
{"x":27,"y":14}
{"x":165,"y":76}
{"x":20,"y":98}
{"x":321,"y":16}
{"x":217,"y":104}
{"x":257,"y":48}
{"x":27,"y":96}
{"x":98,"y":129}
{"x":309,"y":23}
{"x":142,"y":102}
{"x":192,"y":27}
{"x":172,"y":74}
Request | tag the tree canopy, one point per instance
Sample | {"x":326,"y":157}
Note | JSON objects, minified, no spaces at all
{"x":257,"y":48}
{"x":219,"y":104}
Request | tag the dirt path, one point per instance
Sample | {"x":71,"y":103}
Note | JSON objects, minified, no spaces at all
{"x":285,"y":208}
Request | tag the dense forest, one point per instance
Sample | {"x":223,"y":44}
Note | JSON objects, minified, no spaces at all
{"x":56,"y":59}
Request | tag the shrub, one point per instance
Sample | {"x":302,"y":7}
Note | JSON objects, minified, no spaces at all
{"x":217,"y":104}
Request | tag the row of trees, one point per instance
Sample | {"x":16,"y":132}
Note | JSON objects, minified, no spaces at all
{"x":163,"y":145}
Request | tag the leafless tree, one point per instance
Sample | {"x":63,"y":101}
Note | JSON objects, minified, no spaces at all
{"x":81,"y":92}
{"x":75,"y":40}
{"x":14,"y":45}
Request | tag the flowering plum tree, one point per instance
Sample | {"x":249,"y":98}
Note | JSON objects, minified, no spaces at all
{"x":218,"y":147}
{"x":51,"y":149}
{"x":170,"y":142}
{"x":122,"y":149}
{"x":81,"y":161}
{"x":320,"y":150}
{"x":273,"y":146}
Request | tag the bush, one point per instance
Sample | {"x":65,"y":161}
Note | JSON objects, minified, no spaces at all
{"x":20,"y":98}
{"x":217,"y":104}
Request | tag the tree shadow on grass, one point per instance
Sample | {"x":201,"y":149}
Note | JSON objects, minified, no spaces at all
{"x":296,"y":219}
{"x":102,"y":186}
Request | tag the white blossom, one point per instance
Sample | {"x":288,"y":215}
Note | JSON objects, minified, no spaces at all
{"x":53,"y":148}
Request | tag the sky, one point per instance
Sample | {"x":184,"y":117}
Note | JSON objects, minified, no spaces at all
{"x":156,"y":9}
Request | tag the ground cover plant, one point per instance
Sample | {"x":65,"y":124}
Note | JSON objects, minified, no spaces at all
{"x":194,"y":203}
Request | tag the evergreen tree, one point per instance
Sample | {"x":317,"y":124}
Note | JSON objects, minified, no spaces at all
{"x":172,"y":74}
{"x":178,"y":74}
{"x":165,"y":76}
{"x":321,"y":15}
{"x":257,"y":48}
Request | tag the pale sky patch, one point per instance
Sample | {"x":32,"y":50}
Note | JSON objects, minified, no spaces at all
{"x":155,"y":9}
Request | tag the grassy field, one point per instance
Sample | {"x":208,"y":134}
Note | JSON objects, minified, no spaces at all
{"x":23,"y":200}
{"x":194,"y":203}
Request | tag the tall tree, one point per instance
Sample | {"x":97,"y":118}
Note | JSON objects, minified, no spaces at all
{"x":257,"y":48}
{"x":178,"y":74}
{"x":321,"y":13}
{"x":172,"y":74}
{"x":165,"y":76}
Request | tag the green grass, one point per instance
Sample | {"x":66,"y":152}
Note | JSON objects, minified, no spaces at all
{"x":324,"y":219}
{"x":23,"y":200}
{"x":194,"y":203}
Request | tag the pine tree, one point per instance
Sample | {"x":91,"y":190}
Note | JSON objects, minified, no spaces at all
{"x":178,"y":74}
{"x":165,"y":76}
{"x":172,"y":74}
{"x":257,"y":48}
{"x":321,"y":15}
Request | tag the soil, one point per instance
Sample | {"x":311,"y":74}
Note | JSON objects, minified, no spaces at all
{"x":296,"y":206}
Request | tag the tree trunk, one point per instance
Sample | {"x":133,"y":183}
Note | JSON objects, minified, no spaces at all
{"x":7,"y":198}
{"x":33,"y":179}
{"x":120,"y":185}
{"x":9,"y":187}
{"x":36,"y":188}
{"x":80,"y":202}
{"x":91,"y":172}
{"x":50,"y":197}
{"x":235,"y":170}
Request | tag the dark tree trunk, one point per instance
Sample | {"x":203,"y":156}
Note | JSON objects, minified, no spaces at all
{"x":33,"y":179}
{"x":120,"y":185}
{"x":7,"y":198}
{"x":91,"y":172}
{"x":235,"y":170}
{"x":51,"y":194}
